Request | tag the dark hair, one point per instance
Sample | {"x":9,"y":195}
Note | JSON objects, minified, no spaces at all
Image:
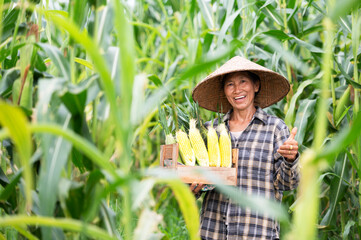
{"x":254,"y":77}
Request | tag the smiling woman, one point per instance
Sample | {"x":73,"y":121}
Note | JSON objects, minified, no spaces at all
{"x":268,"y":153}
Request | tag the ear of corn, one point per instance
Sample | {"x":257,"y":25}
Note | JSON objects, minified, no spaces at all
{"x":225,"y":146}
{"x":185,"y":148}
{"x":198,"y":145}
{"x":213,"y":148}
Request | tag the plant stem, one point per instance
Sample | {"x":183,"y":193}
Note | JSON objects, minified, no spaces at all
{"x":355,"y":46}
{"x":343,"y":217}
{"x":283,"y":6}
{"x":308,"y":203}
{"x":18,"y":21}
{"x":321,"y":123}
{"x":1,"y":15}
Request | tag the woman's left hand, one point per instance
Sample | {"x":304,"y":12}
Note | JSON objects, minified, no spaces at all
{"x":289,"y":148}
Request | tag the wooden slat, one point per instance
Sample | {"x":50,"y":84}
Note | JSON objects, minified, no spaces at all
{"x":161,"y":161}
{"x":175,"y":155}
{"x":169,"y":152}
{"x":189,"y":174}
{"x":235,"y":155}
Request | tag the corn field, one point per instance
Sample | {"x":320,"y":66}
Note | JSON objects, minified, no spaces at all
{"x":82,"y":82}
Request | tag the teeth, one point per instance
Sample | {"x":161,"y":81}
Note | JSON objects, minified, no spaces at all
{"x":240,"y":97}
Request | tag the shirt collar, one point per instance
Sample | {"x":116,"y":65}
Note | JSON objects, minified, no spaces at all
{"x":259,"y":114}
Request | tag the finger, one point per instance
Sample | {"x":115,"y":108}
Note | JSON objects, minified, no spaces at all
{"x":198,"y":188}
{"x":293,"y":133}
{"x":287,"y":153}
{"x":289,"y":156}
{"x":193,"y":186}
{"x":287,"y":147}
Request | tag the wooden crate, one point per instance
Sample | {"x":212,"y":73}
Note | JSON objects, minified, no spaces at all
{"x":190,"y":174}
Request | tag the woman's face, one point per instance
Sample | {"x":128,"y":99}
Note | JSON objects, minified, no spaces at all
{"x":240,"y":90}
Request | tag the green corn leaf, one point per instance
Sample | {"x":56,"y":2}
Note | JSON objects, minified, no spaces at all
{"x":8,"y":24}
{"x":91,"y":231}
{"x":55,"y":155}
{"x":79,"y":11}
{"x":290,"y":116}
{"x":304,"y":112}
{"x":26,"y":100}
{"x":337,"y":188}
{"x":187,"y":205}
{"x":141,"y":191}
{"x":102,"y":35}
{"x":349,"y":225}
{"x":163,"y":120}
{"x":272,"y":14}
{"x":10,"y":188}
{"x":341,"y":8}
{"x":84,"y":62}
{"x":13,"y":119}
{"x":83,"y":145}
{"x":7,"y":80}
{"x":57,"y":59}
{"x":227,"y":23}
{"x":342,"y":105}
{"x":4,"y":181}
{"x":308,"y":46}
{"x":108,"y":217}
{"x":278,"y":34}
{"x":146,"y":229}
{"x":75,"y":98}
{"x":343,"y":139}
{"x":156,"y":80}
{"x":206,"y":13}
{"x":16,"y":90}
{"x":4,"y":53}
{"x":353,"y":162}
{"x":289,"y":56}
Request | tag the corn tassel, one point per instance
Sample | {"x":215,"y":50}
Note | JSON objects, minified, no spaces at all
{"x":185,"y":148}
{"x":225,"y":146}
{"x":213,"y":148}
{"x":198,"y":145}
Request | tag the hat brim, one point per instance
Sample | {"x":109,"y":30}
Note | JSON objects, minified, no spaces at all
{"x":210,"y":95}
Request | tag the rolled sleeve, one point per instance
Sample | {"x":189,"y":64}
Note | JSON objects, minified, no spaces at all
{"x":286,"y":176}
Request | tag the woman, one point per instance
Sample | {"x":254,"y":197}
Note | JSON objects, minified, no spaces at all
{"x":268,"y":153}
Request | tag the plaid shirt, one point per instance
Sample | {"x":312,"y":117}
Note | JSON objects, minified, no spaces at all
{"x":261,"y":171}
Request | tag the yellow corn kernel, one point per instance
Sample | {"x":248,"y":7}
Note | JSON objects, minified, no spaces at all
{"x":213,"y":148}
{"x":198,"y":145}
{"x":225,"y":146}
{"x":185,"y":148}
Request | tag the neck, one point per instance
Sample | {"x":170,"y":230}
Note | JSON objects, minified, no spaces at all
{"x":240,"y":119}
{"x":244,"y":115}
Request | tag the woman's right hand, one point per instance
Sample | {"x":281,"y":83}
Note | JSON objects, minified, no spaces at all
{"x":196,"y":187}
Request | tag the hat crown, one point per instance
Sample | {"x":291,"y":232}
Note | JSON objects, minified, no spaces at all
{"x":237,"y":64}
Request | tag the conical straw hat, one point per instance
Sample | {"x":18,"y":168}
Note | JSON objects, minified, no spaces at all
{"x":210,"y":95}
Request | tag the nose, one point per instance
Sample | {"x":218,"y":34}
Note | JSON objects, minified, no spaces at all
{"x":237,"y":88}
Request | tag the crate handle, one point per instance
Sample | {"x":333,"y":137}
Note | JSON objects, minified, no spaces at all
{"x":169,"y":151}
